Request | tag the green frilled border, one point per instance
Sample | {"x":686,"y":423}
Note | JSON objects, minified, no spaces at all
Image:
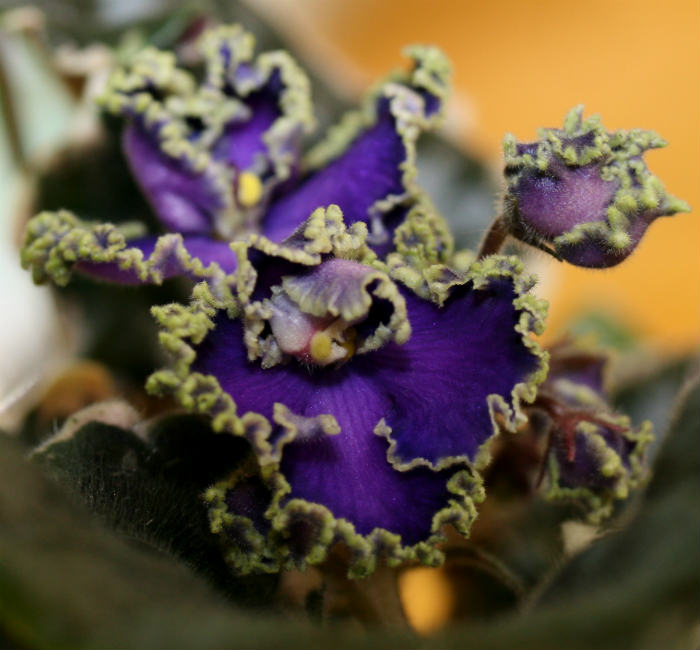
{"x":296,"y":108}
{"x":130,"y":93}
{"x":56,"y":241}
{"x":323,"y":233}
{"x":618,"y":154}
{"x":276,"y":549}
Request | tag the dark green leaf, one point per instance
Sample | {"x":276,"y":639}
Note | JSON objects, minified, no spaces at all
{"x":150,"y":489}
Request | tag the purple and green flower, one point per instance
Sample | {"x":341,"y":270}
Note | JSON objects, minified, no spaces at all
{"x":330,"y":325}
{"x":369,"y":408}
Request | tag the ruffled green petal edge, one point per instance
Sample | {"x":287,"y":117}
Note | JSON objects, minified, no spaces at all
{"x":422,"y":240}
{"x":56,"y":241}
{"x":323,"y":233}
{"x":619,"y":154}
{"x":431,"y":72}
{"x":130,"y":93}
{"x":279,"y":549}
{"x":436,"y":283}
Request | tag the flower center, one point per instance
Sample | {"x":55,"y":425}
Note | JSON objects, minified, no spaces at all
{"x":317,"y":340}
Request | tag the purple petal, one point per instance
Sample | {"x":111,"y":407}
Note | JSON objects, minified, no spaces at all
{"x":242,"y":141}
{"x":554,"y":203}
{"x":457,"y":356}
{"x":367,"y":172}
{"x":223,"y":355}
{"x":584,"y":467}
{"x":595,"y":254}
{"x":583,"y":193}
{"x":275,"y":95}
{"x":184,"y":200}
{"x":349,"y":472}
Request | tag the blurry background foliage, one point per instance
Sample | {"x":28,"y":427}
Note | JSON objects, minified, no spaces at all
{"x":65,"y":581}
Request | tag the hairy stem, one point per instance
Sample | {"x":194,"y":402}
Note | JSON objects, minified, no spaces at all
{"x":494,"y":239}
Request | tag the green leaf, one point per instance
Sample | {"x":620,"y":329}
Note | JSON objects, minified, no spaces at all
{"x":149,"y":488}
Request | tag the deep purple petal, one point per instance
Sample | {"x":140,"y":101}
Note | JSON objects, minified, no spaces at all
{"x":243,"y":140}
{"x":583,"y":193}
{"x":367,"y":172}
{"x":223,"y":355}
{"x":185,"y":201}
{"x":440,"y":379}
{"x":593,"y":252}
{"x":209,"y":250}
{"x":554,"y":203}
{"x":349,"y":472}
{"x":584,"y":469}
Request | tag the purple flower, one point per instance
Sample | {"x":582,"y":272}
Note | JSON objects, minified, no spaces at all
{"x":594,"y":456}
{"x":368,"y":408}
{"x":221,"y":159}
{"x":583,"y":194}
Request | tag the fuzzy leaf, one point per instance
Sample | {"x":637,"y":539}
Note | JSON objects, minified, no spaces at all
{"x":149,"y":488}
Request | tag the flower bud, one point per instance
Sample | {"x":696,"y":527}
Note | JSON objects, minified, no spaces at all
{"x":583,"y":194}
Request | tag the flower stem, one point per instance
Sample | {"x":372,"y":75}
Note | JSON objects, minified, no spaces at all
{"x":493,"y":240}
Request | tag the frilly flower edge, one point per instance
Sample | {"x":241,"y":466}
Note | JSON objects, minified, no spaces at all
{"x":301,"y":533}
{"x":57,"y":242}
{"x":163,"y":102}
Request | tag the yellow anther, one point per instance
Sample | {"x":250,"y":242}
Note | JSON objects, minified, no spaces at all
{"x":320,"y":347}
{"x":250,"y":189}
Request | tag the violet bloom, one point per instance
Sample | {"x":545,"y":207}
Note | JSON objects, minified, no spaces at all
{"x":369,"y":409}
{"x":594,"y":455}
{"x":220,"y":159}
{"x":584,"y":194}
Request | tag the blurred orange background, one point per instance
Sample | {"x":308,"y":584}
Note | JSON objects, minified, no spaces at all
{"x":521,"y":65}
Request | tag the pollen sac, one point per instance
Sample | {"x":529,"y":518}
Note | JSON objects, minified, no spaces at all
{"x":582,"y":193}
